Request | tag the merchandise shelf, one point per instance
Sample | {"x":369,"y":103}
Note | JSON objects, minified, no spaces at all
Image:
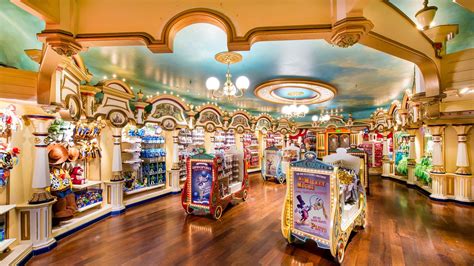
{"x":89,"y":183}
{"x":135,"y":191}
{"x":6,"y":243}
{"x":80,"y":219}
{"x":83,"y":209}
{"x":6,"y":208}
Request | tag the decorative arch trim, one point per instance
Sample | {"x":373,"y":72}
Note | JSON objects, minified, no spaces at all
{"x":173,"y":98}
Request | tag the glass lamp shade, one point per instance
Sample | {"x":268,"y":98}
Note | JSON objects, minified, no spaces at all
{"x":212,"y":84}
{"x":292,"y":108}
{"x":242,"y":82}
{"x":303,"y":109}
{"x":284,"y":110}
{"x":314,"y":118}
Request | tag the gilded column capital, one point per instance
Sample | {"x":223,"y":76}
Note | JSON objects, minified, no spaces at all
{"x":62,"y":42}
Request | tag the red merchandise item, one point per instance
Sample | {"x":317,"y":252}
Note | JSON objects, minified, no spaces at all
{"x":77,"y":176}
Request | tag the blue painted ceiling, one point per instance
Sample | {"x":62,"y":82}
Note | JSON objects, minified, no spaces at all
{"x":365,"y":78}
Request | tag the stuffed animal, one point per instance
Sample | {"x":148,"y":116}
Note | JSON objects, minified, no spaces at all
{"x":77,"y":176}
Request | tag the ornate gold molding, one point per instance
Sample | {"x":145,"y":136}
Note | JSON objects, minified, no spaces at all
{"x":349,"y":31}
{"x":62,"y":42}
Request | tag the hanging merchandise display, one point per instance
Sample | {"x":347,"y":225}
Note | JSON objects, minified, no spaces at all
{"x":274,"y":139}
{"x":9,"y":122}
{"x":214,"y":181}
{"x":324,"y":202}
{"x":252,"y":150}
{"x":290,"y":154}
{"x":145,"y":158}
{"x":189,"y":141}
{"x":73,"y":146}
{"x":272,"y":164}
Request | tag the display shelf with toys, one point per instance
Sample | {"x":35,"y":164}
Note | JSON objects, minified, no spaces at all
{"x":325,"y":201}
{"x":252,"y":150}
{"x":221,"y":173}
{"x":73,"y":149}
{"x":223,"y":140}
{"x":188,"y":143}
{"x":274,"y":139}
{"x":290,"y":154}
{"x":272,"y":164}
{"x":144,"y":160}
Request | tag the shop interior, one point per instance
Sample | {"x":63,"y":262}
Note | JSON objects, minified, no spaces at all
{"x":273,"y":133}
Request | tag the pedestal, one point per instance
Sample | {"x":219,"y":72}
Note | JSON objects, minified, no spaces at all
{"x":117,"y":155}
{"x":115,"y":196}
{"x":462,"y":188}
{"x":174,"y":174}
{"x":438,"y":186}
{"x":36,"y":226}
{"x":411,"y":172}
{"x":386,"y":167}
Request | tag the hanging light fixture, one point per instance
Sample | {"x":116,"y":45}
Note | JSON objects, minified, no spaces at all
{"x":294,"y":110}
{"x":426,"y":15}
{"x":229,"y":90}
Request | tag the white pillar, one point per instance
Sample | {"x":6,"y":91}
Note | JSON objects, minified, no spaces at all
{"x":140,"y":112}
{"x":438,"y":173}
{"x":114,"y":196}
{"x":174,"y":176}
{"x":40,"y":179}
{"x":117,"y":155}
{"x":36,"y":225}
{"x":463,"y":177}
{"x":411,"y":159}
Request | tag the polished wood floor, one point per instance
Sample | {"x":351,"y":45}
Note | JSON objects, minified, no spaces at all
{"x":404,"y":228}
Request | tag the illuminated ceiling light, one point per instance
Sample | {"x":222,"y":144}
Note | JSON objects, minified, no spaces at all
{"x":104,"y":77}
{"x":426,"y":15}
{"x":114,"y":76}
{"x":124,"y":80}
{"x":294,"y":110}
{"x":229,"y":90}
{"x":131,"y":87}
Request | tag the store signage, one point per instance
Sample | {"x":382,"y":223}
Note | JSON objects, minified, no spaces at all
{"x":311,"y":203}
{"x":201,"y":182}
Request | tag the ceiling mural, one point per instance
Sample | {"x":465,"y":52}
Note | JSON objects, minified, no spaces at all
{"x":448,"y":13}
{"x":365,"y":78}
{"x":18,"y":33}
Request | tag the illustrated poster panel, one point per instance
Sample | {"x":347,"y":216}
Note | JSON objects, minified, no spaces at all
{"x":311,"y":203}
{"x":272,"y":159}
{"x":201,"y":182}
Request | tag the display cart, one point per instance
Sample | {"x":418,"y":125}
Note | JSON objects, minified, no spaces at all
{"x":272,"y":164}
{"x":290,"y":154}
{"x":324,"y":201}
{"x":213,"y":182}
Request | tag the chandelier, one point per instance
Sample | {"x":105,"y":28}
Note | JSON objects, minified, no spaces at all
{"x":229,"y":90}
{"x":294,"y":110}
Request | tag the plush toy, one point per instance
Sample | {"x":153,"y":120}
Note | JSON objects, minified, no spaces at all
{"x":77,"y":176}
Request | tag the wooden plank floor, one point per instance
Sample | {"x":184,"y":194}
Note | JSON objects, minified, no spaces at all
{"x":404,"y":228}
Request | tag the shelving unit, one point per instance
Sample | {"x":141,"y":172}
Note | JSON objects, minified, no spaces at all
{"x":252,"y":147}
{"x":274,"y":139}
{"x":144,"y":162}
{"x":188,"y":143}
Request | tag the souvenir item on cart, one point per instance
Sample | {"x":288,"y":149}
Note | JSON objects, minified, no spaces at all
{"x":324,"y":201}
{"x":290,"y":154}
{"x":213,"y":182}
{"x":272,"y":164}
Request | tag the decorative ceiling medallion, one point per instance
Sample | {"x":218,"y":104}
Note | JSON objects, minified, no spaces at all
{"x":290,"y":91}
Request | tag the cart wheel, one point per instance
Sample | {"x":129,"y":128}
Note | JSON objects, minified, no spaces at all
{"x":290,"y":238}
{"x":218,"y":212}
{"x":340,"y":251}
{"x":281,"y":180}
{"x":245,"y":195}
{"x":189,"y":210}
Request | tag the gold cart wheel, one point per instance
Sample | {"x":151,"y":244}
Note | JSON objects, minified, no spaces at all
{"x":290,"y":238}
{"x":340,"y":250}
{"x":218,"y":212}
{"x":281,"y":180}
{"x":245,"y":195}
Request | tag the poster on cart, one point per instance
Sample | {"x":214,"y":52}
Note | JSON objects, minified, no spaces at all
{"x":272,"y":160}
{"x":311,"y":203}
{"x":201,"y":182}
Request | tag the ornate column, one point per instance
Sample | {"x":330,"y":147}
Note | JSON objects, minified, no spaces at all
{"x":411,"y":158}
{"x":463,"y":176}
{"x":438,"y":172}
{"x":88,"y":99}
{"x":140,"y":112}
{"x":40,"y":180}
{"x":117,"y":154}
{"x":385,"y":159}
{"x":175,"y":169}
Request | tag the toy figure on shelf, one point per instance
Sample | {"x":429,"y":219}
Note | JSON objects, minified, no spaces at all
{"x":61,"y":184}
{"x":77,"y":176}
